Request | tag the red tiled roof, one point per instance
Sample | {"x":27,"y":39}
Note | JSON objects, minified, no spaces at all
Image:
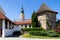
{"x":2,"y":16}
{"x":23,"y":22}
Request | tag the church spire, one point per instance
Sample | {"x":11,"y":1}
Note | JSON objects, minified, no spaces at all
{"x":22,"y":10}
{"x":22,"y":16}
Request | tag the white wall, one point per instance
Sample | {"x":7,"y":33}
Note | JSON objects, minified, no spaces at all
{"x":17,"y":28}
{"x":10,"y":31}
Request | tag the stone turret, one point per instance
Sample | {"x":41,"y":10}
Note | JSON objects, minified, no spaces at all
{"x":45,"y":14}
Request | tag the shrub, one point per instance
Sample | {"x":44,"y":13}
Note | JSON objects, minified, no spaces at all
{"x":52,"y":33}
{"x":38,"y":33}
{"x":33,"y":29}
{"x":26,"y":35}
{"x":44,"y":33}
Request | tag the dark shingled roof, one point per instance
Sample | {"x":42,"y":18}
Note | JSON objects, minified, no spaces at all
{"x":44,"y":8}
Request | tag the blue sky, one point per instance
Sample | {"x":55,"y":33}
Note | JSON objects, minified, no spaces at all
{"x":13,"y":7}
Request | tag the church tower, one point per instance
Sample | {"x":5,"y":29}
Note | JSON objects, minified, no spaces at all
{"x":22,"y":16}
{"x":46,"y":17}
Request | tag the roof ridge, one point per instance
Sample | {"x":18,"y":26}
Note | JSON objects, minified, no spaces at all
{"x":43,"y":7}
{"x":2,"y":10}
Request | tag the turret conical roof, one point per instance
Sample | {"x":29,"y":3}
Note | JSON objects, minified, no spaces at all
{"x":44,"y":7}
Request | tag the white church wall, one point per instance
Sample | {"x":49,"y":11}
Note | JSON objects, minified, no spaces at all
{"x":10,"y":31}
{"x":17,"y":28}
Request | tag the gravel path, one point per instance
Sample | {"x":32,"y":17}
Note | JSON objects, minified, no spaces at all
{"x":21,"y":38}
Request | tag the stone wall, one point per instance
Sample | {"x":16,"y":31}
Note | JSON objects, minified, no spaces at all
{"x":51,"y":17}
{"x":47,"y":16}
{"x":42,"y":20}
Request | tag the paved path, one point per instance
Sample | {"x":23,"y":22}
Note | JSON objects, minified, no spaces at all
{"x":21,"y":38}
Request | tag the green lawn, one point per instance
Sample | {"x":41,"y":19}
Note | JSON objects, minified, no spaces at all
{"x":43,"y":37}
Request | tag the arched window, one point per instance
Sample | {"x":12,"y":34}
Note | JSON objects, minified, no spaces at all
{"x":25,"y":25}
{"x":29,"y":25}
{"x":6,"y":24}
{"x":39,"y":24}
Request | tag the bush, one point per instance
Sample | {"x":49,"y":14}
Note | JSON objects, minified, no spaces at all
{"x":33,"y":29}
{"x":52,"y":33}
{"x":38,"y":33}
{"x":44,"y":33}
{"x":26,"y":35}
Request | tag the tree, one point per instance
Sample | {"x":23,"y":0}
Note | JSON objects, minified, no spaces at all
{"x":49,"y":26}
{"x":34,"y":20}
{"x":58,"y":22}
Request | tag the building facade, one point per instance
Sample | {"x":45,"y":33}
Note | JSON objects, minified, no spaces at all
{"x":46,"y":18}
{"x":7,"y":27}
{"x":22,"y":22}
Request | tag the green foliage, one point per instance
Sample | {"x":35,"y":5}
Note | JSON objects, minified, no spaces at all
{"x":26,"y":35}
{"x":49,"y":25}
{"x":52,"y":33}
{"x":44,"y":33}
{"x":38,"y":33}
{"x":33,"y":29}
{"x":58,"y":22}
{"x":34,"y":20}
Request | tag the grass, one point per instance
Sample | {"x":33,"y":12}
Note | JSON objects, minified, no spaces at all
{"x":43,"y":37}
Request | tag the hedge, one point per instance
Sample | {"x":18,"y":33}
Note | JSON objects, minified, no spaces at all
{"x":33,"y":29}
{"x":38,"y":33}
{"x":52,"y":33}
{"x":44,"y":33}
